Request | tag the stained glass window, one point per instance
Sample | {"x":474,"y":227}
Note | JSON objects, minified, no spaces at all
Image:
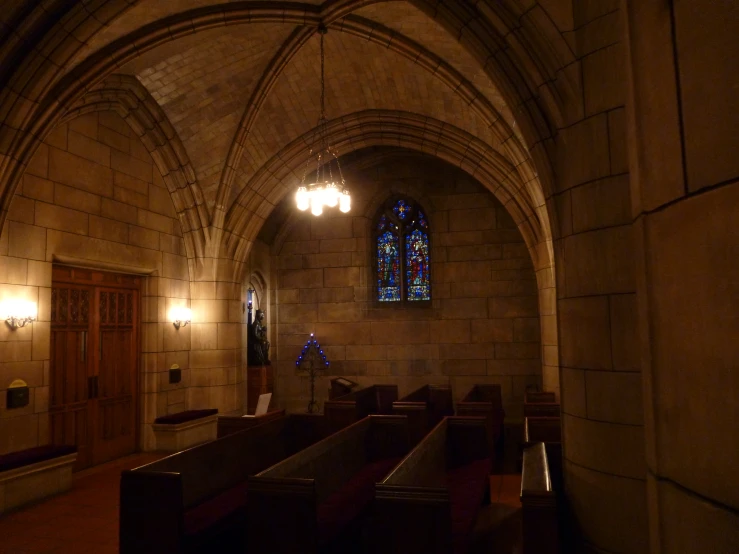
{"x":417,"y":266}
{"x":403,"y":265}
{"x":401,"y":209}
{"x":388,"y":267}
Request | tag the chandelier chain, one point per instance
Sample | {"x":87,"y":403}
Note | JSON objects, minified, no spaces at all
{"x":323,"y":80}
{"x":323,"y":191}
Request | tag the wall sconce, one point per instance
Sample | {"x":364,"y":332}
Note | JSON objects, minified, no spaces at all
{"x":17,"y":312}
{"x":180,"y":316}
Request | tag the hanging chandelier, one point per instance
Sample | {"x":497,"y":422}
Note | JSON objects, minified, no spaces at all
{"x":329,"y":187}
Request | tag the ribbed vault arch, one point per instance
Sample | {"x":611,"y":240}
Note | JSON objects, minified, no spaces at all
{"x":382,"y":128}
{"x":33,"y":102}
{"x":131,"y":100}
{"x":373,"y":32}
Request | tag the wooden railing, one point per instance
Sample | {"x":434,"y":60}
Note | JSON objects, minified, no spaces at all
{"x":538,"y":503}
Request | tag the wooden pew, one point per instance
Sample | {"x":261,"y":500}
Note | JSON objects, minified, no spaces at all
{"x":538,"y":503}
{"x":428,"y":504}
{"x":541,"y":429}
{"x":425,"y":408}
{"x":345,"y":410}
{"x":233,"y":424}
{"x":541,"y":409}
{"x":547,"y":430}
{"x":532,"y":397}
{"x":314,"y":501}
{"x":485,"y":401}
{"x":195,"y":500}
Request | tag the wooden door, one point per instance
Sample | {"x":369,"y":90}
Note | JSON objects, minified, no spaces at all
{"x":94,"y":363}
{"x":71,"y":384}
{"x":113,"y":375}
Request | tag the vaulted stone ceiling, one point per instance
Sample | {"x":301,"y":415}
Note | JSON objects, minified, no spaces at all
{"x":226,"y":93}
{"x":205,"y":82}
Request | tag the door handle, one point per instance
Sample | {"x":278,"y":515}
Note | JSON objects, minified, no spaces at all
{"x":92,"y":387}
{"x":83,"y":346}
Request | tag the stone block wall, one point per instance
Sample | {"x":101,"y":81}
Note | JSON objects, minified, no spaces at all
{"x":482,"y":325}
{"x":685,"y":204}
{"x":93,"y":196}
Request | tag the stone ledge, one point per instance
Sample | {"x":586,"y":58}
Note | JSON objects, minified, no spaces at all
{"x":177,"y":437}
{"x":29,"y":483}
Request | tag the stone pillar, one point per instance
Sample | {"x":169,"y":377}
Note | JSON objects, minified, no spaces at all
{"x":602,"y":414}
{"x":683,"y":125}
{"x":216,"y":376}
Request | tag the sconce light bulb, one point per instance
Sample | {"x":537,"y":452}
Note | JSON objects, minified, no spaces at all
{"x":18,"y":312}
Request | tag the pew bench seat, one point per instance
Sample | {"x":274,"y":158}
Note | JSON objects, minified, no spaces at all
{"x":346,"y":504}
{"x":34,"y":474}
{"x":176,"y":432}
{"x":204,"y":517}
{"x":317,"y":500}
{"x":467,"y":486}
{"x":430,"y":502}
{"x":196,"y":500}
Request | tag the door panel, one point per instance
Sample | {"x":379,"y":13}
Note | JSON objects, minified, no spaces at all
{"x":116,"y":382}
{"x":68,"y":411}
{"x":94,"y":363}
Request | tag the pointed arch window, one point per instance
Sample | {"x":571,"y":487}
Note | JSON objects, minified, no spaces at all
{"x":402,"y":263}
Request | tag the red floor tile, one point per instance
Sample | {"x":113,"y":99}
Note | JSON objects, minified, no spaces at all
{"x":81,"y":521}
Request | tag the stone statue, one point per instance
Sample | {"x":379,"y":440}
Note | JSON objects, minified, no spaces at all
{"x":258,"y":352}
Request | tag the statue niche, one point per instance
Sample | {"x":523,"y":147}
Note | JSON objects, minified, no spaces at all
{"x":258,"y":345}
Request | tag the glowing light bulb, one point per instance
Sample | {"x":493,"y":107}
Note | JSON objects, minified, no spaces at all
{"x":302,"y":199}
{"x":332,"y":196}
{"x":316,"y":206}
{"x":345,"y":202}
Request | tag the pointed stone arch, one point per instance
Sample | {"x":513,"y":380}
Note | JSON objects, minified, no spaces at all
{"x":131,"y":100}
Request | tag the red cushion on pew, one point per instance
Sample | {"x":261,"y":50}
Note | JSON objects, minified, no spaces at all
{"x":182,"y":417}
{"x":210,"y":512}
{"x":34,"y":455}
{"x":467,"y":486}
{"x":344,"y":505}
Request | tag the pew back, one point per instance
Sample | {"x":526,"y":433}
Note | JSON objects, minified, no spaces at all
{"x":229,"y":460}
{"x":284,"y":499}
{"x":533,"y":397}
{"x":233,"y":424}
{"x":541,"y":409}
{"x":485,"y":401}
{"x":155,"y":497}
{"x":485,"y":393}
{"x":425,"y":407}
{"x":413,"y":504}
{"x":345,"y":410}
{"x":542,"y":429}
{"x":333,"y":460}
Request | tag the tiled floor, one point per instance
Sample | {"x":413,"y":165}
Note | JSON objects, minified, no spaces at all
{"x":85,"y":520}
{"x":81,"y":521}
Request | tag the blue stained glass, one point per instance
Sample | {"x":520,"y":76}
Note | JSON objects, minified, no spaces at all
{"x":422,"y":220}
{"x":388,"y":267}
{"x":417,"y":266}
{"x":401,"y":209}
{"x":381,"y":223}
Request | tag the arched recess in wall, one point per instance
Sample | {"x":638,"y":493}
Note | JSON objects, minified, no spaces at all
{"x":387,"y":128}
{"x":258,"y":284}
{"x":126,"y":96}
{"x":422,"y":137}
